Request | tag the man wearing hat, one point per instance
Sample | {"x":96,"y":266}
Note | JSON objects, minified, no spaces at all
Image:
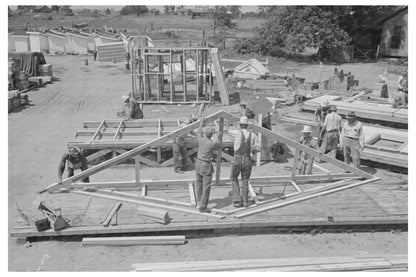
{"x":320,"y":114}
{"x":131,"y":109}
{"x":73,"y":159}
{"x":352,"y":140}
{"x":245,"y":144}
{"x":306,"y":160}
{"x":330,"y":132}
{"x":203,"y":165}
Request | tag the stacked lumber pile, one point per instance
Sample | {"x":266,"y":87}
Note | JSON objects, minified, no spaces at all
{"x":127,"y":241}
{"x":380,"y":263}
{"x":277,"y":85}
{"x":367,"y":110}
{"x":111,"y":51}
{"x":15,"y":100}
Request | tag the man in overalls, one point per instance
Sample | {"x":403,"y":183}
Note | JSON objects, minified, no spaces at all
{"x":245,"y":144}
{"x":352,"y":140}
{"x":73,"y":159}
{"x":306,"y":160}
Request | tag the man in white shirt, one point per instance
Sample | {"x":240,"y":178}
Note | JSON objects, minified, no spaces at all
{"x":245,"y":144}
{"x":352,"y":140}
{"x":331,"y":130}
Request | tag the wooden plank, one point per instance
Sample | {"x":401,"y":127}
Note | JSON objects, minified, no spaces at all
{"x":137,"y":170}
{"x":143,"y":202}
{"x":98,"y":129}
{"x":321,"y":168}
{"x":97,"y":154}
{"x":144,"y":191}
{"x":355,"y":97}
{"x":159,"y":150}
{"x":135,"y":123}
{"x":159,"y":215}
{"x":220,"y":77}
{"x":118,"y":129}
{"x":296,"y":186}
{"x":192,"y":195}
{"x":124,"y":241}
{"x":295,"y":164}
{"x":251,"y":211}
{"x":219,"y":152}
{"x":114,"y":209}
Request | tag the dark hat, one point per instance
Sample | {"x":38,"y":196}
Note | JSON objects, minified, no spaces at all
{"x":351,"y":115}
{"x":333,"y":108}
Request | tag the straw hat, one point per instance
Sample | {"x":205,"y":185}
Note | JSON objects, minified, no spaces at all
{"x":325,"y":102}
{"x":351,"y":115}
{"x":243,"y":120}
{"x":124,"y":98}
{"x":74,"y":150}
{"x":307,"y":129}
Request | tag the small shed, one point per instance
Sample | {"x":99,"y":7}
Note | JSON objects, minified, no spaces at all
{"x":394,"y":37}
{"x":251,"y":69}
{"x":57,"y":43}
{"x":21,"y":43}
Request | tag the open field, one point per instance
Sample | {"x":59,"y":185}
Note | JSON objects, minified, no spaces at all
{"x":37,"y":139}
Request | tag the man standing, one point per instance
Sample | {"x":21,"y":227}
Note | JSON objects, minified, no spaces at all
{"x":245,"y":144}
{"x":352,"y":140}
{"x":73,"y":159}
{"x":330,"y":132}
{"x":131,"y":109}
{"x":203,"y":165}
{"x":320,"y":114}
{"x":306,"y":160}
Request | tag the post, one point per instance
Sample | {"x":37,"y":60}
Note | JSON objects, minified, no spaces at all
{"x":295,"y":164}
{"x":259,"y":139}
{"x":220,"y":134}
{"x":137,"y":170}
{"x":378,"y":51}
{"x":320,"y":71}
{"x":171,"y":77}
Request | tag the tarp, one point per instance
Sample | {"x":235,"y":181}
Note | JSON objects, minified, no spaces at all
{"x":28,"y":62}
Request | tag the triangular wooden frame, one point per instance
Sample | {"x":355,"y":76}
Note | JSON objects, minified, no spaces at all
{"x":220,"y":114}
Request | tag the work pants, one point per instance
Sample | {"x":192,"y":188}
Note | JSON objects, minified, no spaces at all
{"x":241,"y":164}
{"x":179,"y":157}
{"x":330,"y":143}
{"x":351,"y":149}
{"x":204,"y":172}
{"x":305,"y":168}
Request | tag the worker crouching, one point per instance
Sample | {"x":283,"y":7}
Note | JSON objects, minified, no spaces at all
{"x":73,"y":159}
{"x":245,"y":144}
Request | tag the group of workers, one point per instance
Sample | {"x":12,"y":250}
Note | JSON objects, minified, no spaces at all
{"x":332,"y":134}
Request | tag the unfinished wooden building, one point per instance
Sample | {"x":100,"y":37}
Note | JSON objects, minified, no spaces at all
{"x":176,"y":75}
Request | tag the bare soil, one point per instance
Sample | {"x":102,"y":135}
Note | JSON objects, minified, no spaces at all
{"x":37,"y":139}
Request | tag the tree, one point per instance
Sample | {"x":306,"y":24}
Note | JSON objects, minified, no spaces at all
{"x":235,"y":10}
{"x":55,"y":8}
{"x":25,"y":8}
{"x":168,"y":9}
{"x":107,"y":11}
{"x":137,"y":10}
{"x":222,"y":18}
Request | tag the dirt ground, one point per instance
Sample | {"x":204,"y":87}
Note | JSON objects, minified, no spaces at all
{"x":37,"y":139}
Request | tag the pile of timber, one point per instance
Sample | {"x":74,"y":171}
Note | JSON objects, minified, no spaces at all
{"x":378,"y":263}
{"x":276,"y":85}
{"x":128,"y":241}
{"x":366,"y":110}
{"x":111,"y":51}
{"x":16,"y":100}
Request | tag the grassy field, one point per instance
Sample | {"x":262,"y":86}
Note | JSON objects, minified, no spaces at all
{"x":143,"y":25}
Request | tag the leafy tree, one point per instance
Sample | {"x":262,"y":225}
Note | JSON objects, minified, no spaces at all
{"x":235,"y":10}
{"x":25,"y":8}
{"x":166,"y":9}
{"x":55,"y":8}
{"x":222,"y":18}
{"x":107,"y":11}
{"x":137,"y":10}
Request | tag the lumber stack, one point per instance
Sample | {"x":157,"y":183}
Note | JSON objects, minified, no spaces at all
{"x":21,"y":80}
{"x":267,"y":84}
{"x":128,"y":241}
{"x":157,"y":215}
{"x":366,"y":110}
{"x":111,"y":51}
{"x":382,"y":263}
